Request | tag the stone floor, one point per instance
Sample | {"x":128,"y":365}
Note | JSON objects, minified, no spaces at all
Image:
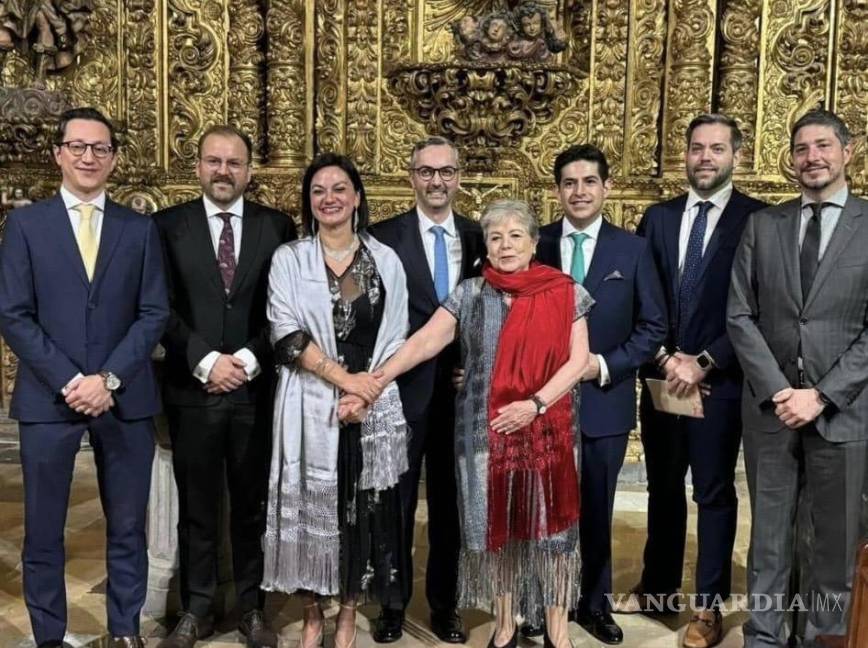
{"x":85,"y":576}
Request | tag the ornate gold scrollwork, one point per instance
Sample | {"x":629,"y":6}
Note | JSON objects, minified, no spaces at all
{"x":483,"y":108}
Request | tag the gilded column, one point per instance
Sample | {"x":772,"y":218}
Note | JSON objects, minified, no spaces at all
{"x":141,"y":44}
{"x":851,"y":92}
{"x":286,"y":29}
{"x":689,"y":74}
{"x":329,"y":71}
{"x":363,"y":73}
{"x":739,"y":70}
{"x":246,"y":84}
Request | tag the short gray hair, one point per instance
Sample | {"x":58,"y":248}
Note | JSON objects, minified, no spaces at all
{"x":501,"y":210}
{"x":434,"y":140}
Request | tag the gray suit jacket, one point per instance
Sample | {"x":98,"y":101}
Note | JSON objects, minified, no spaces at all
{"x":767,"y":319}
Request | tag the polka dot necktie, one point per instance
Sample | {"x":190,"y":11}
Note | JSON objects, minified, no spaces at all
{"x":226,"y":252}
{"x":690,"y":272}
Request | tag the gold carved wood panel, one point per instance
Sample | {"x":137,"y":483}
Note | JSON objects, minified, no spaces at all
{"x":303,"y":76}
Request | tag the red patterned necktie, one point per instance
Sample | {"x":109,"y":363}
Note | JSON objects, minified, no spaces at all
{"x":226,"y":252}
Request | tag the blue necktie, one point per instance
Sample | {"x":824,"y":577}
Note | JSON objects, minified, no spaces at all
{"x":577,"y":267}
{"x":690,"y":273}
{"x":441,"y":264}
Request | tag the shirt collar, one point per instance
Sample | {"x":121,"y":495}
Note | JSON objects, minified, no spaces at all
{"x":592,"y":230}
{"x":71,"y":201}
{"x":236,"y":208}
{"x":426,"y":223}
{"x":718,"y":199}
{"x":839,"y":198}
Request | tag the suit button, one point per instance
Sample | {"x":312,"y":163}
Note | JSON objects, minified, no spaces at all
{"x":91,"y":306}
{"x":803,"y":321}
{"x":228,"y":305}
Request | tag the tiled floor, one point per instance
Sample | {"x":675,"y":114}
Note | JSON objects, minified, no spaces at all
{"x":85,"y":573}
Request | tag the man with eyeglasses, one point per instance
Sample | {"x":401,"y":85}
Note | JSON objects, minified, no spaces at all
{"x":438,"y":249}
{"x":82,"y":305}
{"x":218,"y":384}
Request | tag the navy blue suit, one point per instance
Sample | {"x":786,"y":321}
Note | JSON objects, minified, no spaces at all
{"x":709,"y":445}
{"x":626,"y":326}
{"x":60,"y":324}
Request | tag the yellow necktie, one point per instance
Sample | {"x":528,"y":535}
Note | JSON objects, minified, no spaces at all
{"x":86,"y":238}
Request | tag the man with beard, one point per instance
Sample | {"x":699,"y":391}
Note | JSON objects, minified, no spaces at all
{"x":438,"y":249}
{"x":693,"y":239}
{"x":218,"y":377}
{"x":797,"y":319}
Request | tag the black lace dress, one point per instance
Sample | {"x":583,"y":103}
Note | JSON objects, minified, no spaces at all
{"x":370,"y":521}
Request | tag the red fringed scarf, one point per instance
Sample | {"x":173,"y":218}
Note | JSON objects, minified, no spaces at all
{"x":533,"y":490}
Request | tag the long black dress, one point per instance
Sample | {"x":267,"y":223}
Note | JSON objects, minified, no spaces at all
{"x":369,"y":521}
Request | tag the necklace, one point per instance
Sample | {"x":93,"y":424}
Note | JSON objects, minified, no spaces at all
{"x":342,"y":253}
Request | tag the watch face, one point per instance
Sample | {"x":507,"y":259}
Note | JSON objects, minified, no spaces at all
{"x":703,"y":362}
{"x":112,"y":382}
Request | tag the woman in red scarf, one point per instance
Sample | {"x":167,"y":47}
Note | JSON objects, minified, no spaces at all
{"x":524,"y":345}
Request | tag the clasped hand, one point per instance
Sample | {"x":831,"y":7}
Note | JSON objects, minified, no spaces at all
{"x":797,"y":407}
{"x":89,"y":396}
{"x":366,"y":386}
{"x":511,"y":418}
{"x":226,"y":375}
{"x":684,"y":375}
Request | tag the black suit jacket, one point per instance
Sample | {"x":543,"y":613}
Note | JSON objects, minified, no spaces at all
{"x":706,"y":327}
{"x":204,"y":317}
{"x":401,"y":233}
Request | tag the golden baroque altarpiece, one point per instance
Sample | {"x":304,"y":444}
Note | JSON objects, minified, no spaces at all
{"x":370,"y":77}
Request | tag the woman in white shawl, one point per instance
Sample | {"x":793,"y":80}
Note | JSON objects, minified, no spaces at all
{"x":337,"y":306}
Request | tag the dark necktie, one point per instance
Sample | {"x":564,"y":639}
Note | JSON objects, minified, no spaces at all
{"x":809,"y":257}
{"x":690,"y":272}
{"x":226,"y":252}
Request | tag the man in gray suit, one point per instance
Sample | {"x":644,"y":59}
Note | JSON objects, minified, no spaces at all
{"x":797,"y":319}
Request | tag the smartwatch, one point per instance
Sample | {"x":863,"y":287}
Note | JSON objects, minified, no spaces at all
{"x":541,"y":407}
{"x":705,"y":361}
{"x":111,"y":382}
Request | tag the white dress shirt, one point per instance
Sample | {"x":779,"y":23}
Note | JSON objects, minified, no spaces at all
{"x":453,"y":244}
{"x":588,"y":247}
{"x":215,"y":226}
{"x":828,"y":218}
{"x":71,"y":201}
{"x":691,"y":211}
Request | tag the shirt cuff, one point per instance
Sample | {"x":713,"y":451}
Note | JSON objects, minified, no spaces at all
{"x":251,"y":364}
{"x":68,"y":386}
{"x":604,"y":371}
{"x":206,"y":364}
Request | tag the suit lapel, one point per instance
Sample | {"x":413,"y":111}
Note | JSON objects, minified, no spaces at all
{"x":68,"y":243}
{"x":788,"y":236}
{"x":112,"y":228}
{"x":251,"y":229}
{"x":414,"y":252}
{"x":550,"y":245}
{"x":201,"y":246}
{"x":602,"y":258}
{"x":845,"y":231}
{"x":467,"y":254}
{"x":727,"y":222}
{"x":671,"y":232}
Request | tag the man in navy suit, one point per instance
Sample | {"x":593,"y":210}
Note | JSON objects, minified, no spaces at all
{"x":625,"y":328}
{"x":438,"y":249}
{"x":83,"y":304}
{"x":693,"y":238}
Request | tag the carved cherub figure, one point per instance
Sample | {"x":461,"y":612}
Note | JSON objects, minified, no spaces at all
{"x":536,"y":37}
{"x":496,"y":34}
{"x":466,"y":32}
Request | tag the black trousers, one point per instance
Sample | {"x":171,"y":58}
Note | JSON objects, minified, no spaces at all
{"x":709,"y":446}
{"x":432,"y":439}
{"x":207,"y":442}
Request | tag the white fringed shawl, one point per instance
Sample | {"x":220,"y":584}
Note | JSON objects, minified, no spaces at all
{"x":301,"y":540}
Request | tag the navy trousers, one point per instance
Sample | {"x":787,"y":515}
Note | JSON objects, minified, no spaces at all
{"x":123,"y":451}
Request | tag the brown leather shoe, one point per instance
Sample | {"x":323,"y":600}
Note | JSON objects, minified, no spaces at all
{"x":256,"y":633}
{"x":189,"y":629}
{"x":704,"y":630}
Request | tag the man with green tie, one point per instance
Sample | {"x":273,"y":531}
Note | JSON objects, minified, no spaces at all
{"x":625,"y":329}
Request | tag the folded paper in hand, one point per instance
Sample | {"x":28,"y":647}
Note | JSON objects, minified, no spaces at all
{"x":690,"y":405}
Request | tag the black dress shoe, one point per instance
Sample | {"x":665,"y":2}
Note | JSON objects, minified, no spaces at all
{"x":189,"y":629}
{"x":448,"y":627}
{"x":601,"y":625}
{"x":529,"y":631}
{"x":512,"y":643}
{"x":389,"y":626}
{"x":129,"y":641}
{"x":51,"y":644}
{"x":256,"y":633}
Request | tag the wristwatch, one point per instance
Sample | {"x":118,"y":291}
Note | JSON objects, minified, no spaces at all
{"x":705,"y":361}
{"x":541,"y":407}
{"x":111,"y":382}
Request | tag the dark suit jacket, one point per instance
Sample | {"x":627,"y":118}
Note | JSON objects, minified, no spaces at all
{"x":204,"y":317}
{"x":59,"y":324}
{"x":401,"y":233}
{"x":706,"y":328}
{"x":769,"y":320}
{"x":626,"y":325}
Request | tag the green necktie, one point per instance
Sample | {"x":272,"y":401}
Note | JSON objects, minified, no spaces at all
{"x":577,"y":268}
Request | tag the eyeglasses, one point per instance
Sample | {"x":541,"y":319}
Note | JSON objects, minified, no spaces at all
{"x":80,"y":148}
{"x":447,"y":173}
{"x":214,"y":163}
